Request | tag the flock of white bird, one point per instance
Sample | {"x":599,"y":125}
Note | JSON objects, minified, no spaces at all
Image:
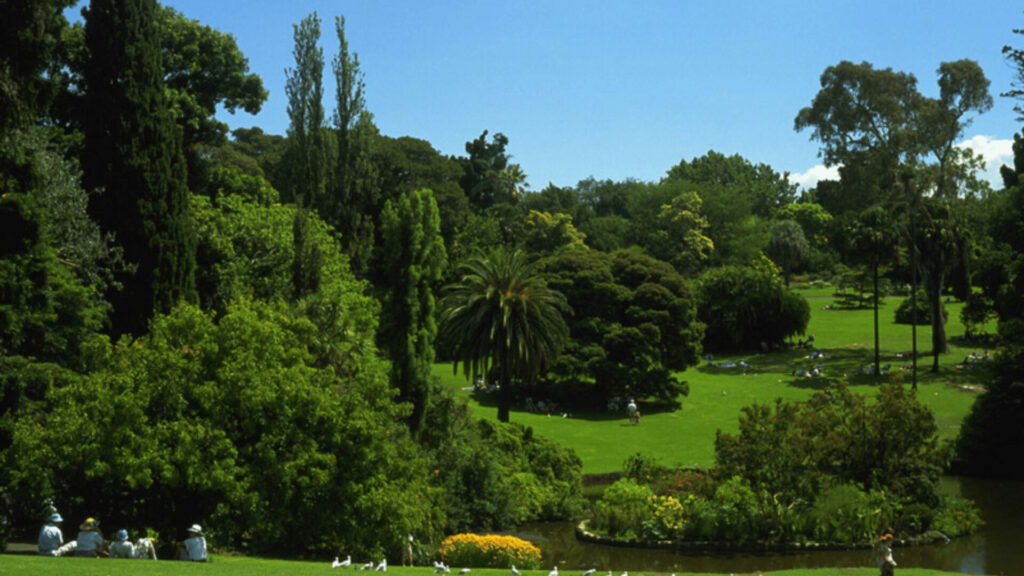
{"x":441,"y":568}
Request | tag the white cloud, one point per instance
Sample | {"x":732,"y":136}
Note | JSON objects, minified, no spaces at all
{"x":811,"y":177}
{"x":996,"y":153}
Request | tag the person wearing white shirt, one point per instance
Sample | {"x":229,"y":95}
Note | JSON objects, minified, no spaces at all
{"x":194,"y":548}
{"x":50,"y":536}
{"x":121,"y":547}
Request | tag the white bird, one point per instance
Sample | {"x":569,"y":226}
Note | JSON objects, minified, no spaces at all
{"x":463,"y":571}
{"x":342,"y":563}
{"x":383,"y":566}
{"x":336,"y":562}
{"x":554,"y":571}
{"x":514,"y":571}
{"x":367,"y":566}
{"x":592,"y":570}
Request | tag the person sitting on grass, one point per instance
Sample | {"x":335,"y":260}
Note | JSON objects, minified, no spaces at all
{"x":51,"y":539}
{"x":121,"y":547}
{"x":193,"y":549}
{"x":90,"y":539}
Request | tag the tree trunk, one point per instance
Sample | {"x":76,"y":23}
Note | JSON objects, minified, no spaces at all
{"x":875,"y":278}
{"x":933,"y":286}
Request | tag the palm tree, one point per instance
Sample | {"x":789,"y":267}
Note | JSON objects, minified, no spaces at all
{"x":874,"y":239}
{"x":501,"y":319}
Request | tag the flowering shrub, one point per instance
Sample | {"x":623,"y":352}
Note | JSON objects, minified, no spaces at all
{"x":489,"y":551}
{"x":669,"y":517}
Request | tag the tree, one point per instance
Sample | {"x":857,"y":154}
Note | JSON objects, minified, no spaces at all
{"x":204,"y":69}
{"x":354,"y":193}
{"x":767,"y":190}
{"x":862,"y":119}
{"x":30,"y":33}
{"x":414,"y":258}
{"x":749,"y":308}
{"x":874,"y":240}
{"x":634,"y":325}
{"x":484,"y":178}
{"x":1015,"y":57}
{"x":788,"y":247}
{"x":679,"y":237}
{"x":940,"y":245}
{"x":133,"y":152}
{"x":963,"y":88}
{"x":308,"y":158}
{"x":500,"y":319}
{"x":993,"y":430}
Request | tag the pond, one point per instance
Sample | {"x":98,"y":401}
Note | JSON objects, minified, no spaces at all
{"x":997,"y":549}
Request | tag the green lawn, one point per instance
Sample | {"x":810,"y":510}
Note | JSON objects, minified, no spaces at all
{"x":241,"y":566}
{"x":685,"y":437}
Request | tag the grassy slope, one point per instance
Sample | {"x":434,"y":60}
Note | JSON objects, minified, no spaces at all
{"x":686,"y":436}
{"x":237,"y":566}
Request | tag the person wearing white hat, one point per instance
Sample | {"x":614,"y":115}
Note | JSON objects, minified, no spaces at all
{"x":50,"y":536}
{"x":194,"y":548}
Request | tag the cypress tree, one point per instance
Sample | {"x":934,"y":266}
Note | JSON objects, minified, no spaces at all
{"x":414,"y":257}
{"x":133,"y":155}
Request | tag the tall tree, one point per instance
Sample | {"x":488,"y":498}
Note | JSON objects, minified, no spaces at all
{"x":304,"y":86}
{"x":873,"y":239}
{"x":862,"y":119}
{"x":963,"y":89}
{"x":501,"y":320}
{"x":30,"y":31}
{"x":355,"y":191}
{"x":133,"y":153}
{"x":992,"y":432}
{"x":414,"y":258}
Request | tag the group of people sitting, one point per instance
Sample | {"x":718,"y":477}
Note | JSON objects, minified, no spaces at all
{"x":90,"y":542}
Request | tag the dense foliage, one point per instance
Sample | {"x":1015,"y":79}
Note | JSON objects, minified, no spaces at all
{"x":749,"y":308}
{"x":634,"y":324}
{"x":833,"y":469}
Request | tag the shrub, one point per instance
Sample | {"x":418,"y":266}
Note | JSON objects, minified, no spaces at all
{"x":845,"y":513}
{"x":924,"y":315}
{"x":622,"y":510}
{"x":956,"y":516}
{"x":744,"y":308}
{"x":489,"y":551}
{"x":643,"y":468}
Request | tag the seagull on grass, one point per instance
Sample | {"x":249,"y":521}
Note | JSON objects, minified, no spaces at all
{"x":383,"y":566}
{"x":591,"y":571}
{"x":367,"y":566}
{"x":341,"y":564}
{"x":514,"y":571}
{"x":554,"y":571}
{"x":463,"y":571}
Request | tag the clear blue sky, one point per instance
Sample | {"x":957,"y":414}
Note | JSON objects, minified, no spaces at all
{"x":620,"y":89}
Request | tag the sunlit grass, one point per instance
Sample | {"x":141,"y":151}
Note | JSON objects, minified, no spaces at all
{"x":18,"y":565}
{"x":685,"y":437}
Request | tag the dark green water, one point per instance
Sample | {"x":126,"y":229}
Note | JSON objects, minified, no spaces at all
{"x":997,"y":549}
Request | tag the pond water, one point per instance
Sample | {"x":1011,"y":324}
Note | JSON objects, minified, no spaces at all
{"x":997,"y":549}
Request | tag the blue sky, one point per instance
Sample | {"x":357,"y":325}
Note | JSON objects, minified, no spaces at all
{"x":621,"y":89}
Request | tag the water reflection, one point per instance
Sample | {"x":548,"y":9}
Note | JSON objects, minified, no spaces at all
{"x":996,"y":549}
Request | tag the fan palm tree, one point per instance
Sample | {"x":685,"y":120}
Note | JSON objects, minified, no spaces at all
{"x":501,"y":319}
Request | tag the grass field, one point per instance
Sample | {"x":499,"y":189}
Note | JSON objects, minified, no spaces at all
{"x":685,"y":437}
{"x":241,"y":566}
